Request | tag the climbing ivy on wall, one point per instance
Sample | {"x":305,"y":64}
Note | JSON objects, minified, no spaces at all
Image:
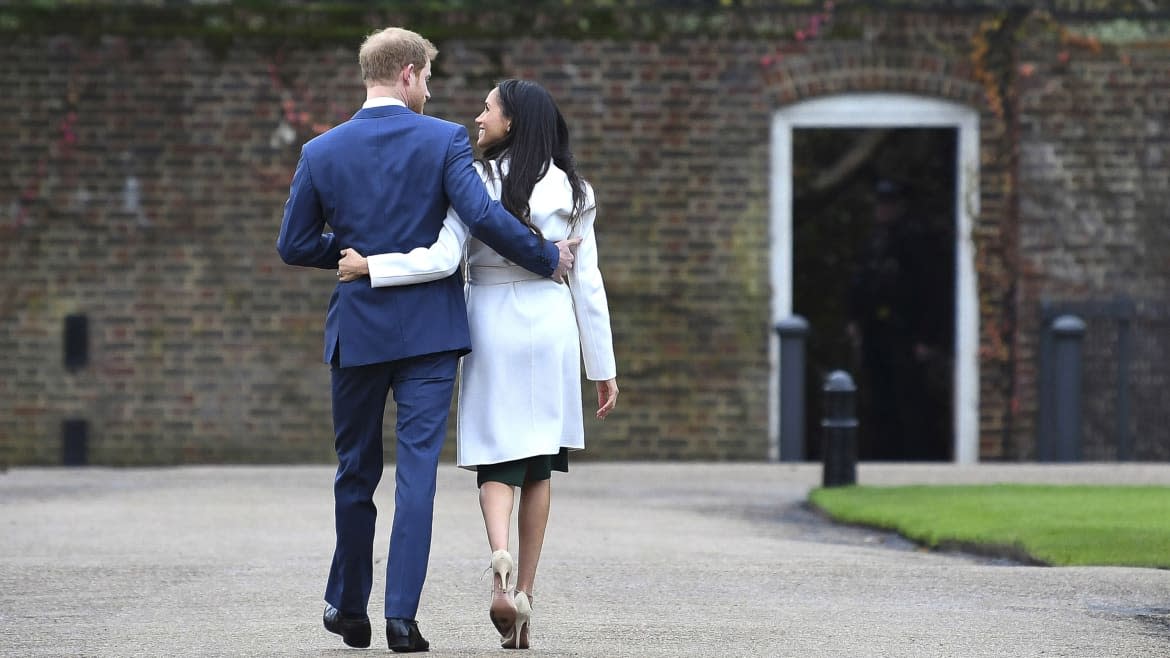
{"x":996,"y":65}
{"x":318,"y":23}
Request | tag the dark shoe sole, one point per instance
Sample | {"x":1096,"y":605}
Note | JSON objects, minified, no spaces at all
{"x":357,"y":641}
{"x":421,"y":645}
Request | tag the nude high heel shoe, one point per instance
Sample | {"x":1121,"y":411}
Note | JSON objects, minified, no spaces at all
{"x":503,"y":609}
{"x":518,"y":638}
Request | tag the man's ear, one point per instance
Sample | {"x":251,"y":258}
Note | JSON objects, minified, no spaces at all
{"x":408,"y":74}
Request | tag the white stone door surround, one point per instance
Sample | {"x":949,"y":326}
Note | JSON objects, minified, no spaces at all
{"x":885,"y":110}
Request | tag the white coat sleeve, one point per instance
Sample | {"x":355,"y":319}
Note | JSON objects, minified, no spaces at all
{"x":422,"y":264}
{"x":589,"y":302}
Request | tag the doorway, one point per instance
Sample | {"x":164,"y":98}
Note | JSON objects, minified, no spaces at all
{"x":876,"y":147}
{"x":873,"y":217}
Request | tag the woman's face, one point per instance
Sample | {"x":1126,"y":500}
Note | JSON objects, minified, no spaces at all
{"x":493,"y":125}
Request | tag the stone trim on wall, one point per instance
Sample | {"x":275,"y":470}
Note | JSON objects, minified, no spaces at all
{"x":873,"y":109}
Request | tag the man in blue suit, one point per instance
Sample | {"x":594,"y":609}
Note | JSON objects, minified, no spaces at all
{"x":383,"y":182}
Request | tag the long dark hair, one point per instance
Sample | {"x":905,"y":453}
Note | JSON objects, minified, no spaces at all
{"x":539,"y":134}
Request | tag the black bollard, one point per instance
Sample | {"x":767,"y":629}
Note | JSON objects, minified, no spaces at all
{"x":839,"y":430}
{"x":1068,"y":333}
{"x":75,"y":431}
{"x":793,"y":332}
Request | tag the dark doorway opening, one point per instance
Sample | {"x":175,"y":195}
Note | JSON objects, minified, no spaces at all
{"x":874,"y":274}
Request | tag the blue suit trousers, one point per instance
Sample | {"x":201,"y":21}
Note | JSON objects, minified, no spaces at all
{"x":422,"y":388}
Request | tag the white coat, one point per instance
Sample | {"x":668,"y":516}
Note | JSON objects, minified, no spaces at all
{"x":520,"y":388}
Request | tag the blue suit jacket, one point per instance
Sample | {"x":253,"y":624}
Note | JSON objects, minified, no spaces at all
{"x":383,"y":182}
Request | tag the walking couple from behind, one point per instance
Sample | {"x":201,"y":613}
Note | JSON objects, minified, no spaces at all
{"x":409,"y":208}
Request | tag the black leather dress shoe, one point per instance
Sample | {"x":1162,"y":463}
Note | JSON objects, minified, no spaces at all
{"x":403,"y":637}
{"x":354,"y":631}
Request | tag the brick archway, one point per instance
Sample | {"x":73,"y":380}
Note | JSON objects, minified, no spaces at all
{"x":858,"y":68}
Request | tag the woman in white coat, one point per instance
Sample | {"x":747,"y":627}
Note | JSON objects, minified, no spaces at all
{"x":520,"y":394}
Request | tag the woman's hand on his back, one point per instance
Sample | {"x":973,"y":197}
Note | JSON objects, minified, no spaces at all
{"x":352,"y":266}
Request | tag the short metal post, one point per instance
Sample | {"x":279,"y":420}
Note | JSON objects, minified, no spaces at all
{"x":839,"y":429}
{"x":793,"y":332}
{"x":1068,"y":332}
{"x":75,"y":431}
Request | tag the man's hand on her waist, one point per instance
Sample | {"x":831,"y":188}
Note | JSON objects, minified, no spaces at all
{"x":565,"y":247}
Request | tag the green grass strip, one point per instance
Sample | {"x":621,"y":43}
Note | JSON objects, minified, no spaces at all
{"x":1057,"y":525}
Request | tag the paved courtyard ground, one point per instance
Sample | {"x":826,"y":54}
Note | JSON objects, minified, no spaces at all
{"x":642,"y":559}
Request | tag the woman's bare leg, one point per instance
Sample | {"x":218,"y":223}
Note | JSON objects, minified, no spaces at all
{"x":495,"y":502}
{"x":535,"y":501}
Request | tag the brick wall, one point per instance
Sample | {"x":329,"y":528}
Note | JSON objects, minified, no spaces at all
{"x":144,"y":181}
{"x":1094,"y":191}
